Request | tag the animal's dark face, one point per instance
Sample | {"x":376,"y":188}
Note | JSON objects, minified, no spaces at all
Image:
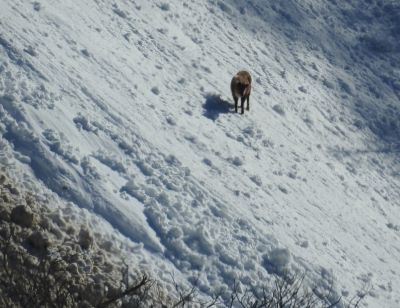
{"x":241,"y":87}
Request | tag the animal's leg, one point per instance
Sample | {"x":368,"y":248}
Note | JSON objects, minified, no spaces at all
{"x":236,"y":103}
{"x":248,"y":102}
{"x":242,"y":101}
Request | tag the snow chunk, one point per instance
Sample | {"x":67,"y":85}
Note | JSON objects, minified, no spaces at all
{"x":83,"y":122}
{"x":277,"y":261}
{"x":155,"y":90}
{"x":225,"y":7}
{"x":163,"y":199}
{"x":88,"y":168}
{"x":303,"y":89}
{"x":256,"y":179}
{"x":110,"y":161}
{"x":58,"y":145}
{"x":133,"y":190}
{"x":344,"y":86}
{"x":37,"y":6}
{"x":165,"y":6}
{"x":119,"y":12}
{"x":145,"y":168}
{"x":279,"y":109}
{"x":85,"y":52}
{"x":30,"y":51}
{"x":237,"y":161}
{"x":199,"y":240}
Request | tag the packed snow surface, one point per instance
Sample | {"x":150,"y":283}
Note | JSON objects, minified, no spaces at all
{"x":123,"y":108}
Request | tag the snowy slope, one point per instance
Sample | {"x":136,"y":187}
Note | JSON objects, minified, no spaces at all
{"x":124,"y":109}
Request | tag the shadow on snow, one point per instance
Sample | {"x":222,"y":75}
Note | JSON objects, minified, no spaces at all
{"x":215,"y":105}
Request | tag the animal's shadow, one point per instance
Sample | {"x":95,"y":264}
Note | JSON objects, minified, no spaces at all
{"x":215,"y":105}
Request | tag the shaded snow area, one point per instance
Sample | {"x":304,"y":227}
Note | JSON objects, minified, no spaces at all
{"x":123,"y":110}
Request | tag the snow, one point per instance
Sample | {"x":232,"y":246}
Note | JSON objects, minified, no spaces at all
{"x":124,"y":111}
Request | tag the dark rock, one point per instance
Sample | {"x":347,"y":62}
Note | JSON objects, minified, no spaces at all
{"x":4,"y":215}
{"x":22,"y":216}
{"x":12,"y":189}
{"x":85,"y":239}
{"x":2,"y":179}
{"x":38,"y":240}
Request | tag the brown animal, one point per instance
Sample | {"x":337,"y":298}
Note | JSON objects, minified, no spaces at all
{"x":241,"y":87}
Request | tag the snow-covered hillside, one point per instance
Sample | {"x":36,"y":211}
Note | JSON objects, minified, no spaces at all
{"x":123,"y":108}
